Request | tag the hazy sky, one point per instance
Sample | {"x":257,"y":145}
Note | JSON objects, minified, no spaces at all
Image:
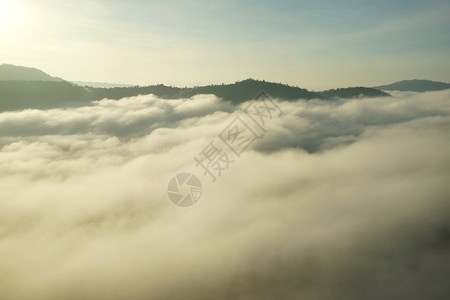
{"x":313,"y":44}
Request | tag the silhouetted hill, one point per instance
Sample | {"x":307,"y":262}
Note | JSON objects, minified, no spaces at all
{"x":11,"y":72}
{"x":36,"y":89}
{"x":247,"y":89}
{"x":238,"y":92}
{"x":415,"y":86}
{"x":353,"y":92}
{"x":16,"y":95}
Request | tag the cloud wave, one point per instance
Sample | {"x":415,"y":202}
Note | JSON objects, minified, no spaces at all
{"x":340,"y":199}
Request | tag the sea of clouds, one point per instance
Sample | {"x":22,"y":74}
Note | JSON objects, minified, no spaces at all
{"x":341,"y":199}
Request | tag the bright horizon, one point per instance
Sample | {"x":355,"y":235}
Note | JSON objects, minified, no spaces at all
{"x":317,"y":46}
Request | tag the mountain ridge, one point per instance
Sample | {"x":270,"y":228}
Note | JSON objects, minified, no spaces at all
{"x":12,"y":72}
{"x":43,"y":94}
{"x":414,"y":85}
{"x":100,"y":84}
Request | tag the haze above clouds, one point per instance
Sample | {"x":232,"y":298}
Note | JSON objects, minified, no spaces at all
{"x":313,"y":44}
{"x":340,"y":199}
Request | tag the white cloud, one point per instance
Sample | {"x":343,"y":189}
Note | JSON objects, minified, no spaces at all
{"x":341,"y":199}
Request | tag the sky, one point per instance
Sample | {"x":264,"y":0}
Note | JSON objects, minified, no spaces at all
{"x":312,"y":44}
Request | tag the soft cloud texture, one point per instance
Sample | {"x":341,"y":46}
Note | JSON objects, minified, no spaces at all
{"x":343,"y":199}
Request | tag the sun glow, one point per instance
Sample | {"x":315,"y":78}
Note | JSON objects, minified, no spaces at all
{"x":12,"y":15}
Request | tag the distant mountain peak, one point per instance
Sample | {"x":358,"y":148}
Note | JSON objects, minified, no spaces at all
{"x":101,"y":84}
{"x":415,"y":85}
{"x":12,"y":72}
